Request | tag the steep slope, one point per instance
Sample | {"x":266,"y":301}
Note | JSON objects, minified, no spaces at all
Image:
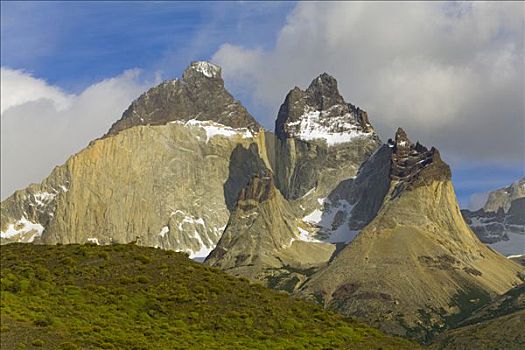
{"x":416,"y":267}
{"x":168,"y":186}
{"x":130,"y":297}
{"x":199,"y":95}
{"x":499,"y":325}
{"x":264,"y":239}
{"x":321,"y":140}
{"x":501,"y":222}
{"x":354,"y":202}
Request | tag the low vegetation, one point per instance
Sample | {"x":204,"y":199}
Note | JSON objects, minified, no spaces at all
{"x":130,"y":297}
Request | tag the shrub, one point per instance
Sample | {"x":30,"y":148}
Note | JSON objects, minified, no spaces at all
{"x":143,"y":259}
{"x":68,"y":346}
{"x":38,"y":342}
{"x":143,"y":279}
{"x":44,"y":321}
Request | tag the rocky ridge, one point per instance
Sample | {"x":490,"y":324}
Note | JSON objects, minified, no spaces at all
{"x":501,"y":222}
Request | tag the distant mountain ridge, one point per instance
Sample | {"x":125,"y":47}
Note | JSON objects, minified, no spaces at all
{"x":501,"y":222}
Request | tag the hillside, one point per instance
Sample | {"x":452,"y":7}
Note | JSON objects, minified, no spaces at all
{"x":131,"y":297}
{"x":498,"y":325}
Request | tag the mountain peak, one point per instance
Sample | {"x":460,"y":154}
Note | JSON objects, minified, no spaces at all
{"x":324,"y":92}
{"x":321,"y":113}
{"x":199,"y":95}
{"x":202,"y":68}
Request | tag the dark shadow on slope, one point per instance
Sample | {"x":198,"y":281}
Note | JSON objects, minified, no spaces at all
{"x":244,"y":163}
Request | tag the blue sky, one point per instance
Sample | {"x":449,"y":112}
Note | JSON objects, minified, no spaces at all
{"x":402,"y":72}
{"x":74,"y":44}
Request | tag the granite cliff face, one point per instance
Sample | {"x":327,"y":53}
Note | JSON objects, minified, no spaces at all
{"x":167,"y":181}
{"x":416,"y":267}
{"x":320,"y":143}
{"x":501,"y":222}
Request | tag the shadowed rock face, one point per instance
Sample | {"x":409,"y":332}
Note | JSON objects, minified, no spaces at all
{"x":258,"y":190}
{"x":199,"y":95}
{"x":408,"y":160}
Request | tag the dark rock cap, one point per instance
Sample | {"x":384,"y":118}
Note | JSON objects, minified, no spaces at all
{"x":199,"y":95}
{"x":321,"y":95}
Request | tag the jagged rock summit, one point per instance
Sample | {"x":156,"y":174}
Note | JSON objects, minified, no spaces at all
{"x":416,"y":267}
{"x":264,"y":238}
{"x":200,"y":95}
{"x":321,"y":113}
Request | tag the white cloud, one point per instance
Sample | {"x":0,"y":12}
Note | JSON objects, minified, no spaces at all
{"x":452,"y":74}
{"x":41,"y":125}
{"x":19,"y":87}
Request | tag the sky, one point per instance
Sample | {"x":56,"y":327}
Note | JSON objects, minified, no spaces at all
{"x":451,"y":74}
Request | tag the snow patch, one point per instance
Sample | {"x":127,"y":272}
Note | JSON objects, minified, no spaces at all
{"x":164,"y":231}
{"x":335,"y":232}
{"x":314,"y":124}
{"x":93,"y":240}
{"x":304,"y":235}
{"x":22,"y":227}
{"x":208,"y":69}
{"x":43,"y":198}
{"x":213,"y":129}
{"x":515,"y":256}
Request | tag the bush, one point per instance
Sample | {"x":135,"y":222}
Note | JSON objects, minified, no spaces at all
{"x":38,"y":342}
{"x":143,"y":259}
{"x":68,"y":346}
{"x":44,"y":321}
{"x":143,"y":279}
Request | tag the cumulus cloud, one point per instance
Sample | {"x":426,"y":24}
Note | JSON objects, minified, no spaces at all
{"x":19,"y":87}
{"x":452,"y":74}
{"x":41,"y":125}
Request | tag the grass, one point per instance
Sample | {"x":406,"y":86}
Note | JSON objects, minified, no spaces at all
{"x":130,"y":297}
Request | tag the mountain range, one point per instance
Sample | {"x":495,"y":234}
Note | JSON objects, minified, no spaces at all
{"x":320,"y":208}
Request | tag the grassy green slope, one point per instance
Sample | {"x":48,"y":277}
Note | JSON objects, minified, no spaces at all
{"x":130,"y":297}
